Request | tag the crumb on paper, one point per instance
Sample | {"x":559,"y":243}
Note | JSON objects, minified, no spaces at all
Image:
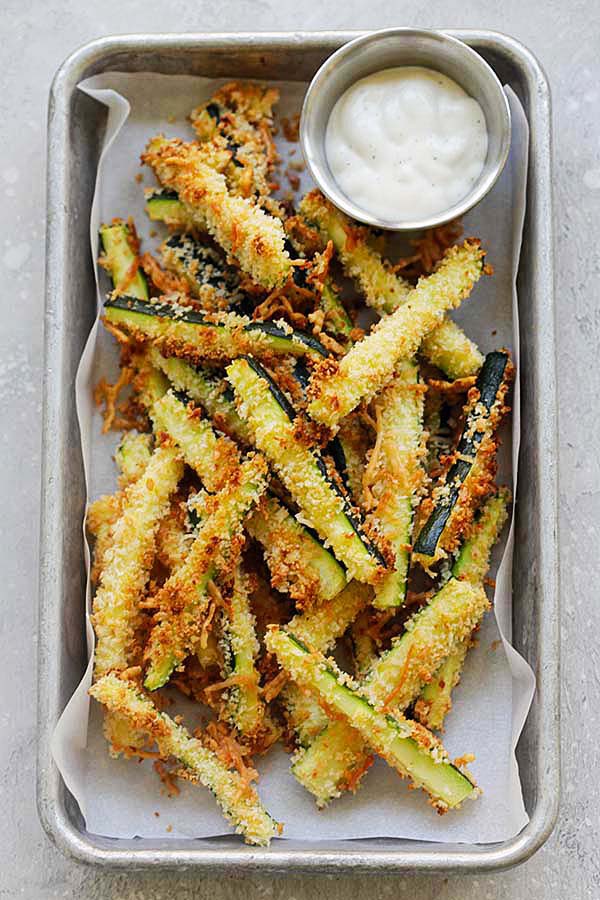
{"x":157,"y":814}
{"x":495,"y":644}
{"x":297,"y":165}
{"x":494,"y":333}
{"x":171,"y":119}
{"x":169,"y":828}
{"x":139,"y":177}
{"x":291,"y":128}
{"x":293,"y":179}
{"x":153,"y":232}
{"x":464,"y":760}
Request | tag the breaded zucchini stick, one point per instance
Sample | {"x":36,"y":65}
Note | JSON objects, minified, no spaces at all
{"x":253,"y":238}
{"x":469,"y":473}
{"x":392,"y":682}
{"x":447,"y":346}
{"x":337,"y":387}
{"x":238,"y":799}
{"x":238,"y":119}
{"x":100,"y":520}
{"x":132,"y":456}
{"x":271,"y":419}
{"x":244,"y":706}
{"x":396,"y":475}
{"x":183,"y":599}
{"x":177,"y":329}
{"x":355,"y":442}
{"x":212,"y":457}
{"x":471,"y":565}
{"x":406,"y":746}
{"x":127,"y":562}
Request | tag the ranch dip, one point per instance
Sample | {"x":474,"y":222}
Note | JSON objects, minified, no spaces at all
{"x":406,"y":143}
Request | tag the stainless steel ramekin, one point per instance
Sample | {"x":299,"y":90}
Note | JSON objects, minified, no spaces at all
{"x":404,"y":47}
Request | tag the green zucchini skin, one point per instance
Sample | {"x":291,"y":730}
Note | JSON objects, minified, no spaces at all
{"x":219,"y":338}
{"x":163,"y":205}
{"x":489,"y":382}
{"x":119,"y":257}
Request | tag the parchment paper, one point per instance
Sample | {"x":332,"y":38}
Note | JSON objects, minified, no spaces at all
{"x":121,"y":798}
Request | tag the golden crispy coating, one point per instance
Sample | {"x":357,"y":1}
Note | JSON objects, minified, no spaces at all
{"x":336,"y":388}
{"x":236,"y":797}
{"x":250,"y":236}
{"x":383,"y":288}
{"x":407,"y":747}
{"x":128,"y":561}
{"x":237,"y":120}
{"x":183,"y":601}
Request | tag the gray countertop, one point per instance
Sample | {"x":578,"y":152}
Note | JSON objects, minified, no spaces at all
{"x":36,"y":37}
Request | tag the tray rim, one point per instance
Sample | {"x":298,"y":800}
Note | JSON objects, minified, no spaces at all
{"x":356,"y":858}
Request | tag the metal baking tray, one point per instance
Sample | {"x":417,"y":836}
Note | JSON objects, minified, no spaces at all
{"x":76,"y":126}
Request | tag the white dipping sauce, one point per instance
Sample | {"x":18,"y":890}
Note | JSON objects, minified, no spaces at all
{"x":406,"y":143}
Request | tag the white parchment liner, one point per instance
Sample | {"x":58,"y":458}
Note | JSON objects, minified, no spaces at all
{"x":120,"y":798}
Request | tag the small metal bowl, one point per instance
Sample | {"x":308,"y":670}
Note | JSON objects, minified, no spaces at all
{"x":404,"y":47}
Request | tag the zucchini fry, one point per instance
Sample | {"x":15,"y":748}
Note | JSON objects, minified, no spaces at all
{"x":406,"y":746}
{"x":392,"y":682}
{"x":100,"y":519}
{"x":179,"y":330}
{"x":471,"y":565}
{"x":302,"y":470}
{"x":337,"y":387}
{"x":238,"y":120}
{"x":183,"y":600}
{"x":173,"y":540}
{"x":127,"y":562}
{"x":470,"y":470}
{"x":132,"y":456}
{"x":212,"y":457}
{"x":447,"y":346}
{"x":121,"y":259}
{"x":253,"y":238}
{"x":238,"y":799}
{"x":394,"y":474}
{"x":244,"y":707}
{"x":354,"y":440}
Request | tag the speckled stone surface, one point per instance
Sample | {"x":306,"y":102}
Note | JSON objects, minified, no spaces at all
{"x":35,"y":37}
